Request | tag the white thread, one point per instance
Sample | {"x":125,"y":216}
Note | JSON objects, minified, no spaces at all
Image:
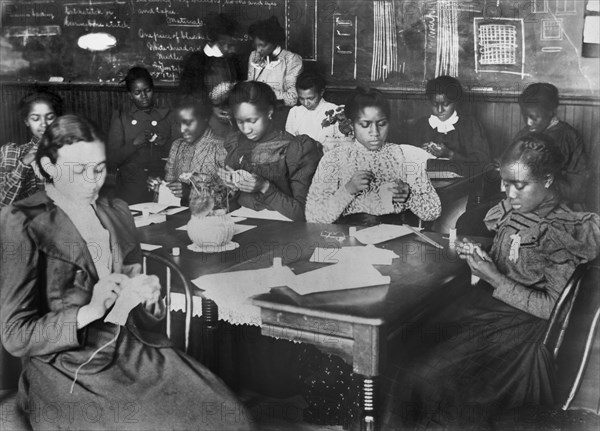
{"x":92,"y":357}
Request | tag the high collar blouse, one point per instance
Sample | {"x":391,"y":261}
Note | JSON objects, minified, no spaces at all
{"x":328,"y":198}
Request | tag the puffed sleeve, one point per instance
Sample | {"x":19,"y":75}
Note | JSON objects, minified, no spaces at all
{"x":26,"y":329}
{"x":292,"y":70}
{"x":565,"y":242}
{"x":170,"y":166}
{"x":301,"y":160}
{"x":291,"y":124}
{"x":423,"y":200}
{"x":13,"y":173}
{"x":327,"y":196}
{"x":117,"y":149}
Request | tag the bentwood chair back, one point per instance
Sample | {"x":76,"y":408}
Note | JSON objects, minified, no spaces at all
{"x":153,"y":263}
{"x":561,"y":314}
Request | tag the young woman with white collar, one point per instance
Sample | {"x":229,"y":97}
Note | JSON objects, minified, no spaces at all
{"x":446,"y":133}
{"x":271,"y":64}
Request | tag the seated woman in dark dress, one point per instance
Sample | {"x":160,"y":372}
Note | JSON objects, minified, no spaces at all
{"x":275,"y":168}
{"x":491,"y":356}
{"x":538,"y":104}
{"x":139,"y":138}
{"x":448,"y":133}
{"x":78,"y":256}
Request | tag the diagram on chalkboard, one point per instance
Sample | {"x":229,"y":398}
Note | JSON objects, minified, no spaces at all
{"x":447,"y":38}
{"x":385,"y":46}
{"x":499,"y":45}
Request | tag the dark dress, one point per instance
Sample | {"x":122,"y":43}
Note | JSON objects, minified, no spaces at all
{"x":484,"y":352}
{"x":288,"y":162}
{"x":467,"y":140}
{"x":133,"y":165}
{"x":136,"y":379}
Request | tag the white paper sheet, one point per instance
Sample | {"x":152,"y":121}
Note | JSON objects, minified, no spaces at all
{"x":150,"y":207}
{"x":591,"y":29}
{"x":152,"y":218}
{"x":381,"y":233}
{"x":263,"y":214}
{"x":593,"y":5}
{"x":386,"y":194}
{"x":369,"y":254}
{"x":442,"y":175}
{"x":342,"y":276}
{"x":127,"y":301}
{"x":166,"y":196}
{"x":149,"y":247}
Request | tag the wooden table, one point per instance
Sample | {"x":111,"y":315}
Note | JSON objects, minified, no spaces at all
{"x":355,"y":324}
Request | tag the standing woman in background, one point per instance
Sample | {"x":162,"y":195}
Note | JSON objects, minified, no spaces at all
{"x":17,"y":176}
{"x":139,"y":138}
{"x":273,"y":65}
{"x":211,"y":72}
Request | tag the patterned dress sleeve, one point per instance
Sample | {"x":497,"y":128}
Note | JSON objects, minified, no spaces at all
{"x":565,"y":242}
{"x":301,"y":159}
{"x":170,"y":167}
{"x":423,"y":200}
{"x":12,"y":173}
{"x":327,"y":197}
{"x":293,"y":69}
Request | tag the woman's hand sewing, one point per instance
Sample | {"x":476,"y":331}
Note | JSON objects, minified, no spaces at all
{"x":147,"y":287}
{"x":104,"y":295}
{"x":359,"y":181}
{"x":479,"y":261}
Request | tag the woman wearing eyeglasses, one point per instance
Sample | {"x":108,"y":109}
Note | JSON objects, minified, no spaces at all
{"x":76,"y":257}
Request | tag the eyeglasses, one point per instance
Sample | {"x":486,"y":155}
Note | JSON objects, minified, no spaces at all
{"x":338,"y":236}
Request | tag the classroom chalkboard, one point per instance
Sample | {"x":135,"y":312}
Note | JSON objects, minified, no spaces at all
{"x":490,"y":45}
{"x":40,"y":39}
{"x":487,"y":44}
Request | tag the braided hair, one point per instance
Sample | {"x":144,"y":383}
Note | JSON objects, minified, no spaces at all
{"x":538,"y":152}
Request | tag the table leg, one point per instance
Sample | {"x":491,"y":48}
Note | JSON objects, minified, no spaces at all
{"x":367,"y":422}
{"x":210,"y":326}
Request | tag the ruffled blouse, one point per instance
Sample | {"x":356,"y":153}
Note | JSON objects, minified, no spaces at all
{"x":328,"y":198}
{"x":539,"y":251}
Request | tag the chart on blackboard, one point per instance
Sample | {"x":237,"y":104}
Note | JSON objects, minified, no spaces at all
{"x":40,"y":39}
{"x":489,"y":45}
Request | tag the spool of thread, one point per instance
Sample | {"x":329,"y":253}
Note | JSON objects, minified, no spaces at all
{"x":352,"y":231}
{"x":175,"y":251}
{"x":277,"y":262}
{"x":145,"y":213}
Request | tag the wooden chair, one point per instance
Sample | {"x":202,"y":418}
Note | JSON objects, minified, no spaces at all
{"x":155,"y":262}
{"x":561,"y":314}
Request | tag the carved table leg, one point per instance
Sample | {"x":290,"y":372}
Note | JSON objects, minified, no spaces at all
{"x":210,"y":327}
{"x":367,"y":422}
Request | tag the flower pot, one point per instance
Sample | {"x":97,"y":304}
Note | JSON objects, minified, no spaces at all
{"x":212,"y":230}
